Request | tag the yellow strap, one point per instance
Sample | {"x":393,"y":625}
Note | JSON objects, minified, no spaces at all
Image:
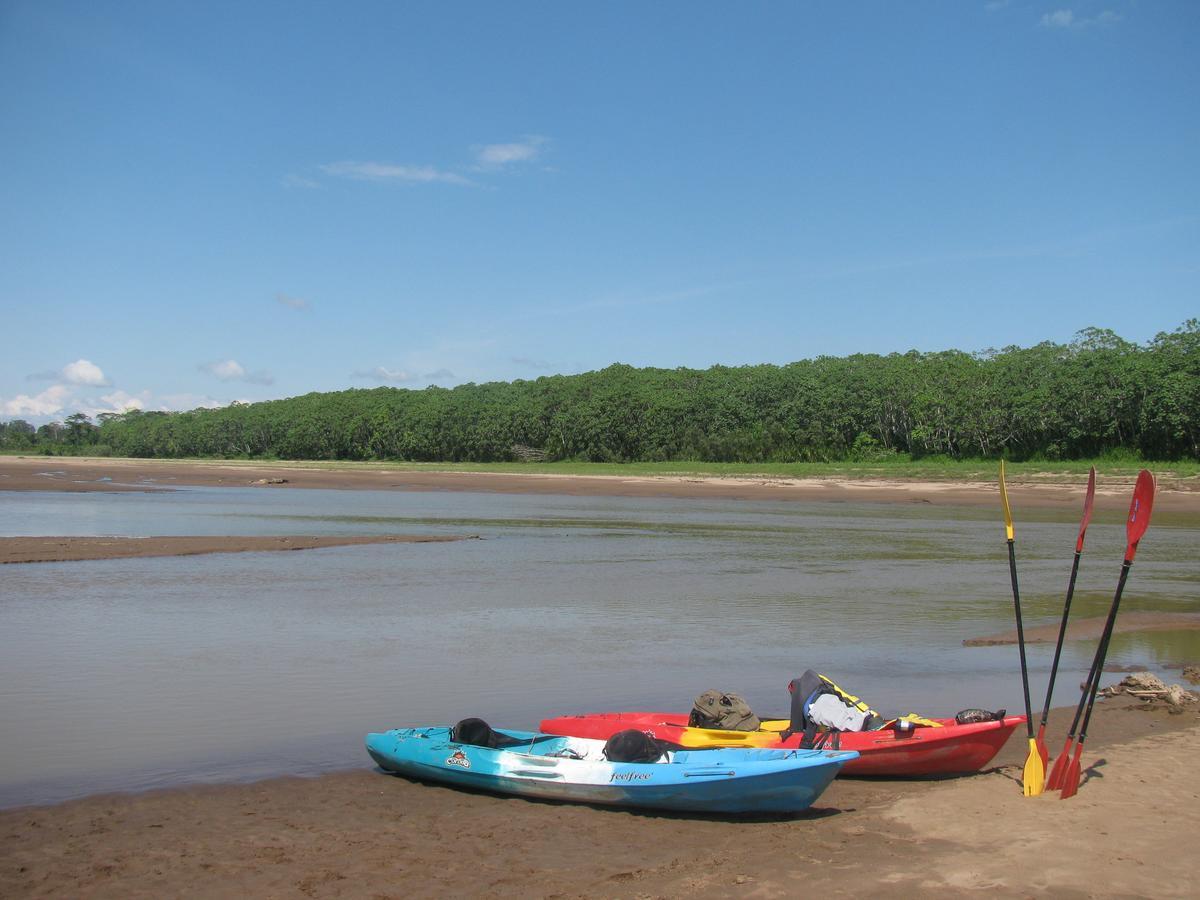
{"x":921,"y":720}
{"x":849,"y":698}
{"x":860,"y":705}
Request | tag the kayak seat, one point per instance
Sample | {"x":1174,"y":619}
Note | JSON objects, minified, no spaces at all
{"x":477,"y":733}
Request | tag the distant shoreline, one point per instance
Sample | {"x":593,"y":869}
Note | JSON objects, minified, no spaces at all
{"x":105,"y":474}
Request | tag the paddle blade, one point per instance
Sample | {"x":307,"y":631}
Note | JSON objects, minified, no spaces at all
{"x":1043,"y":751}
{"x":1034,"y":779}
{"x":1054,"y":782}
{"x":1139,"y":513}
{"x":1071,"y":777}
{"x":1008,"y":526}
{"x":1087,"y":508}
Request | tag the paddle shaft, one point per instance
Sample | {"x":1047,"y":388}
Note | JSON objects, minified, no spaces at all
{"x":1012,"y":570}
{"x":1087,"y":686}
{"x":1062,"y":633}
{"x":1102,"y":651}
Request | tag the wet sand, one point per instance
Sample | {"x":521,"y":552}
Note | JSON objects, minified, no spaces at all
{"x":62,"y":549}
{"x":1092,"y":628}
{"x":86,"y":474}
{"x":366,"y":834}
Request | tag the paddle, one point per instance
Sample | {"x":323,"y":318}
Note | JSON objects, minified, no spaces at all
{"x":1135,"y":526}
{"x":1054,"y":782}
{"x":1034,"y":777}
{"x":1062,"y":628}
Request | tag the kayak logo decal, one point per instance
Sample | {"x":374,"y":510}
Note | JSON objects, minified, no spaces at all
{"x":629,"y":776}
{"x":458,"y":758}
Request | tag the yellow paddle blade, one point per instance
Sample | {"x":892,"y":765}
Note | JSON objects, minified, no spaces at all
{"x":1034,"y":779}
{"x":1004,"y":500}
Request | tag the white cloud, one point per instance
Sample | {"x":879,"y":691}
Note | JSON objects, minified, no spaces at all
{"x":499,"y":155}
{"x":385,"y":375}
{"x":232,"y":370}
{"x":59,"y":400}
{"x":83,"y":371}
{"x":1066,"y":18}
{"x":402,"y":376}
{"x":115,"y":402}
{"x":1060,"y":18}
{"x":373,"y":171}
{"x":226,"y":369}
{"x":488,"y":157}
{"x":119,"y":401}
{"x":47,"y":403}
{"x":184,"y":402}
{"x":292,"y":302}
{"x":299,"y":181}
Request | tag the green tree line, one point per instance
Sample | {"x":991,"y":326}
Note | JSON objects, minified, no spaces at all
{"x":1097,"y":395}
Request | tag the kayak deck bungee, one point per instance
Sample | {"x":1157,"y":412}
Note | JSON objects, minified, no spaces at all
{"x":740,"y":780}
{"x":948,"y":748}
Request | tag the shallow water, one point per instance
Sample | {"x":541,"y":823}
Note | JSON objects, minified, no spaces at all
{"x":128,"y":674}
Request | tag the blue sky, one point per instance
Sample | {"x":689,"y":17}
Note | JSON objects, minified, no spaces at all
{"x":208,"y":202}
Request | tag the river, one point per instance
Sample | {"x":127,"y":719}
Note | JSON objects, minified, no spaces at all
{"x":139,"y":673}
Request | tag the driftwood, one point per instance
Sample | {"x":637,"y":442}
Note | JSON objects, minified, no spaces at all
{"x":1149,"y":688}
{"x":528,"y":454}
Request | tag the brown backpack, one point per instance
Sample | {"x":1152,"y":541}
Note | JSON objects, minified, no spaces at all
{"x":727,"y":712}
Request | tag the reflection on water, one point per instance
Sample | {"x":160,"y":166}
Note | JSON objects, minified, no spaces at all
{"x":126,"y":674}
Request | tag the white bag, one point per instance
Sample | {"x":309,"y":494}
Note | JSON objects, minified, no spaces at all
{"x":829,"y":711}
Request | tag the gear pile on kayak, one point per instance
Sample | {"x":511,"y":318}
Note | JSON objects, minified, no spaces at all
{"x":823,"y":716}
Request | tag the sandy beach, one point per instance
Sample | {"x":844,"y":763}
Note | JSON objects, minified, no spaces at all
{"x":87,"y":474}
{"x":362,"y":833}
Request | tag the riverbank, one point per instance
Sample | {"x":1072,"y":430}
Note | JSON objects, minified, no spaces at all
{"x":365,"y":834}
{"x":101,"y":474}
{"x":74,"y":549}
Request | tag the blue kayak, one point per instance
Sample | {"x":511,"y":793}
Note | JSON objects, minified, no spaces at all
{"x":554,"y":767}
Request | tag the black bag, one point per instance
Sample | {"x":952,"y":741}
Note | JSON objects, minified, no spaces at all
{"x":969,"y":716}
{"x":633,"y":746}
{"x":726,"y":712}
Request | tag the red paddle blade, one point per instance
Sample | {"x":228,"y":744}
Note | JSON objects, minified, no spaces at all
{"x":1071,"y":778}
{"x":1139,"y":513}
{"x":1087,"y":508}
{"x":1054,"y":782}
{"x":1042,"y":750}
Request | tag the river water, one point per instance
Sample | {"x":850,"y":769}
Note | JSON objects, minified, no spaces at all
{"x":132,"y":674}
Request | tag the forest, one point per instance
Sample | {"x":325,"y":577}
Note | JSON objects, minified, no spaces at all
{"x":1097,"y":395}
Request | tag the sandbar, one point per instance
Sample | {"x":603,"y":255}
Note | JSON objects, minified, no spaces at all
{"x":104,"y":474}
{"x":71,"y":548}
{"x":1091,"y":628}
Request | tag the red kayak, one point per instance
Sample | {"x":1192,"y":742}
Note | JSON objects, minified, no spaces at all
{"x":943,"y":749}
